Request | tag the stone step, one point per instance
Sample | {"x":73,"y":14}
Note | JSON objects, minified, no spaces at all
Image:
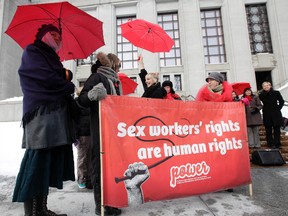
{"x":263,"y":142}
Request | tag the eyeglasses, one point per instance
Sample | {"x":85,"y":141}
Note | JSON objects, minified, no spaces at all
{"x":119,"y":65}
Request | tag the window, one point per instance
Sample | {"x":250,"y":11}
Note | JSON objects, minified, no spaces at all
{"x":169,"y":22}
{"x":126,"y":52}
{"x":177,"y":84}
{"x":166,"y":77}
{"x":258,"y":27}
{"x":213,"y":38}
{"x":89,"y":60}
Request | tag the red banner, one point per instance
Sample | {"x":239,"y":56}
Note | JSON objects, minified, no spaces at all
{"x":172,"y":148}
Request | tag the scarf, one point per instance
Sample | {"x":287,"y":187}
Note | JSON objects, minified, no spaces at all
{"x":249,"y":97}
{"x":113,"y":79}
{"x":218,"y":89}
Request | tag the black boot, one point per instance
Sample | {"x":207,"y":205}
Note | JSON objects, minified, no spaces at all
{"x":30,"y":207}
{"x":97,"y":198}
{"x":112,"y":211}
{"x":42,"y":208}
{"x":107,"y":209}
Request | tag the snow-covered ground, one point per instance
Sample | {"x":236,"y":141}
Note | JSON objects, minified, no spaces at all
{"x":11,"y":152}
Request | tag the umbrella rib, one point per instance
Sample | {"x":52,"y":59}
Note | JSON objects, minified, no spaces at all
{"x":160,"y":36}
{"x":64,"y":16}
{"x":48,"y":12}
{"x":42,"y":19}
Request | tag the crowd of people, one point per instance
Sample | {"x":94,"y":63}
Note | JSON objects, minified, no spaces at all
{"x":53,"y":119}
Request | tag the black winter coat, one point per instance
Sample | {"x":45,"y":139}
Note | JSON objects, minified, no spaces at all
{"x":154,"y":91}
{"x":83,"y":123}
{"x":272,"y":105}
{"x":83,"y":100}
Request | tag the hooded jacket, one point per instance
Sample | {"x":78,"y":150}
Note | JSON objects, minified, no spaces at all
{"x":204,"y":94}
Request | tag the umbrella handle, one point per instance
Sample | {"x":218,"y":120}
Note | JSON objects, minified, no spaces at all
{"x":139,"y":53}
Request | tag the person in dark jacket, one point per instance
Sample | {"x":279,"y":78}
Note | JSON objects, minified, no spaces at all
{"x":47,"y":123}
{"x":103,"y":80}
{"x":84,"y":166}
{"x":151,"y":84}
{"x":253,"y":117}
{"x":272,"y":117}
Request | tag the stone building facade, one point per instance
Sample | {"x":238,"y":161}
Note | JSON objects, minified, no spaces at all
{"x":246,"y":40}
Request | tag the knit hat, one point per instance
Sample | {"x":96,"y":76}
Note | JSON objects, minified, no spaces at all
{"x":168,"y":83}
{"x":44,"y":29}
{"x":215,"y":76}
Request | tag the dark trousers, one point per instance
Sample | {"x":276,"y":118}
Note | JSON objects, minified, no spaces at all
{"x":273,"y":136}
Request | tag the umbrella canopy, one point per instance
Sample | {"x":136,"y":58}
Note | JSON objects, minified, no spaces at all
{"x":128,"y":85}
{"x":239,"y":87}
{"x":82,"y":34}
{"x":147,"y":35}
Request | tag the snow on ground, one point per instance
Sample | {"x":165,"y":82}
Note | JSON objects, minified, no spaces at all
{"x":11,"y":152}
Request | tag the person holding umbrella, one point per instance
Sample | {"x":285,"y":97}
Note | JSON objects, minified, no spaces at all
{"x":102,"y":81}
{"x":48,"y":122}
{"x":150,"y":81}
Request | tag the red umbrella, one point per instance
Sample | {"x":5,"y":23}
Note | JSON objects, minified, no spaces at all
{"x":128,"y":85}
{"x":147,"y":35}
{"x":239,"y":87}
{"x":82,"y":34}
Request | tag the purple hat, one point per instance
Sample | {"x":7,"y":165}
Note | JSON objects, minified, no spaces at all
{"x":44,"y":29}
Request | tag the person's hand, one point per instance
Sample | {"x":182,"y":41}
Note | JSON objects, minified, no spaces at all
{"x":98,"y":92}
{"x":245,"y":101}
{"x":140,"y":62}
{"x":137,"y":173}
{"x":67,"y":74}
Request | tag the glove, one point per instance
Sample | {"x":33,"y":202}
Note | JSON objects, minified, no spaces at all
{"x":67,"y":74}
{"x":98,"y":92}
{"x":245,"y":101}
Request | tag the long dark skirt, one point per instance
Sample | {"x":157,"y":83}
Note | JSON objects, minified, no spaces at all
{"x":41,"y":169}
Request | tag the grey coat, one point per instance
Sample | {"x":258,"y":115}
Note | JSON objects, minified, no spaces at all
{"x":253,"y":115}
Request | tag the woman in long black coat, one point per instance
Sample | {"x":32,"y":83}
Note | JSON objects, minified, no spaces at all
{"x":103,"y":80}
{"x":272,"y":117}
